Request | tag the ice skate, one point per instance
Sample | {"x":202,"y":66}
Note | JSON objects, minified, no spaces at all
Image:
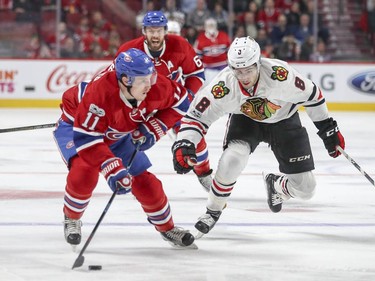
{"x":72,"y":231}
{"x":179,"y":238}
{"x":206,"y":222}
{"x":274,"y":199}
{"x":206,"y":180}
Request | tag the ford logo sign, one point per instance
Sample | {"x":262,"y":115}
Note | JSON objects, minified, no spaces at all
{"x":363,"y":82}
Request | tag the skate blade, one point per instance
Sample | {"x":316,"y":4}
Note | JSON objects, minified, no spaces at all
{"x":190,"y":247}
{"x":198,"y":235}
{"x":74,"y":248}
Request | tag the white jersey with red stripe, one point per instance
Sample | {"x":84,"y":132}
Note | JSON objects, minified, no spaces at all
{"x":277,"y":95}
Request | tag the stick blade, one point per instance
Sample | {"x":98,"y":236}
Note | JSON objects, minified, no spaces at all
{"x":78,"y":262}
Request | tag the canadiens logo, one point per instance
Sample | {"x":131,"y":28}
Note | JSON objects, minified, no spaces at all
{"x":280,"y":73}
{"x":259,"y":109}
{"x":219,"y":90}
{"x":69,"y":145}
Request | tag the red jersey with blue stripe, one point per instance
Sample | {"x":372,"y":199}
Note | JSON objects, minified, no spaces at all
{"x":176,"y":59}
{"x":101,"y":115}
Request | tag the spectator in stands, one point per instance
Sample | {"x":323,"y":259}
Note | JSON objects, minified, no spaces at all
{"x":99,"y":23}
{"x":250,"y":24}
{"x":72,"y":7}
{"x":320,"y":55}
{"x":370,"y":6}
{"x":304,"y":29}
{"x":307,"y":48}
{"x":284,"y":5}
{"x":323,"y":32}
{"x":150,"y":6}
{"x":262,"y":38}
{"x":187,"y":6}
{"x":171,"y":11}
{"x":191,"y":34}
{"x":211,"y":47}
{"x":268,"y":16}
{"x":114,"y":42}
{"x":293,"y":16}
{"x":289,"y":50}
{"x":27,"y":10}
{"x":6,"y":4}
{"x":221,"y":16}
{"x":279,"y":30}
{"x":38,"y":49}
{"x":268,"y":50}
{"x":239,"y":31}
{"x":198,"y":16}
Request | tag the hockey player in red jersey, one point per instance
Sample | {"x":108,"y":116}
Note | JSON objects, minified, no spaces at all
{"x":262,"y":97}
{"x":101,"y":123}
{"x":175,"y":58}
{"x":212,"y":46}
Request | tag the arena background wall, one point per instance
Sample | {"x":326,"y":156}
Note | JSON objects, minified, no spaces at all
{"x":40,"y":83}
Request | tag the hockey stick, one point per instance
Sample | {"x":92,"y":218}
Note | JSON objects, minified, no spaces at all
{"x":34,"y":127}
{"x":355,"y":164}
{"x":80,"y":259}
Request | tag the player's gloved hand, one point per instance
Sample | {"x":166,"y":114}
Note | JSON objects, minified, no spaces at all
{"x":149,"y":133}
{"x":330,"y":134}
{"x":117,"y":176}
{"x":184,"y":157}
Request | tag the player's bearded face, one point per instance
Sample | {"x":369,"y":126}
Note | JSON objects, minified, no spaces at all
{"x":141,"y":86}
{"x":247,"y":76}
{"x":155,"y":37}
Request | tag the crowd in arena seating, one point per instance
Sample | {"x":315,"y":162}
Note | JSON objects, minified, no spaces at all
{"x":283,"y":28}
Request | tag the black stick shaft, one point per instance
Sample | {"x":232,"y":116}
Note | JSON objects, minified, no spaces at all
{"x":355,"y":164}
{"x":25,"y":128}
{"x":79,"y":261}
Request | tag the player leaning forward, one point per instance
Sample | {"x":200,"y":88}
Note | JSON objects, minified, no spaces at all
{"x":100,"y":124}
{"x":262,"y":97}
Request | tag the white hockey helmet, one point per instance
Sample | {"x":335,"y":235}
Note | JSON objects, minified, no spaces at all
{"x":174,"y":27}
{"x":244,"y":52}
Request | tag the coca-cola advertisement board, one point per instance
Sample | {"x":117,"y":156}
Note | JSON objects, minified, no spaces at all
{"x":44,"y":79}
{"x":341,"y":83}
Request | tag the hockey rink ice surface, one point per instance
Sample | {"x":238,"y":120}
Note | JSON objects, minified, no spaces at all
{"x":330,"y":237}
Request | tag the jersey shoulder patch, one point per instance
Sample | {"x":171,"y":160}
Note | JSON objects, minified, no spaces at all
{"x":219,"y":90}
{"x":279,"y":73}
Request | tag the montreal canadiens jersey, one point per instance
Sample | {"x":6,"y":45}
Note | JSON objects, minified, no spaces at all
{"x":178,"y":60}
{"x":277,"y":95}
{"x":101,"y":115}
{"x":213,"y":50}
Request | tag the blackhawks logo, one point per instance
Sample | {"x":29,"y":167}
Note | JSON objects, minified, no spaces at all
{"x":259,"y":109}
{"x":219,"y":90}
{"x":280,"y":73}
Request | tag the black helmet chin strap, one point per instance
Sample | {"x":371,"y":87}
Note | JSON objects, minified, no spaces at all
{"x":128,"y":88}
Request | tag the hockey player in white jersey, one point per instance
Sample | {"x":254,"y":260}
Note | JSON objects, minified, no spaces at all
{"x":262,"y":97}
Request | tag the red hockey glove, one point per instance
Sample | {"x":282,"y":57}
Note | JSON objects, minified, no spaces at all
{"x":184,"y":157}
{"x":330,"y":134}
{"x":149,"y":133}
{"x":117,"y":176}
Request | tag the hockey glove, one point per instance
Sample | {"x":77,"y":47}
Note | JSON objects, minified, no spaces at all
{"x":117,"y":176}
{"x":149,"y":133}
{"x":331,"y":136}
{"x":184,"y":157}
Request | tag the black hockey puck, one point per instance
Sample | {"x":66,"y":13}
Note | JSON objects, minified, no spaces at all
{"x":95,"y":267}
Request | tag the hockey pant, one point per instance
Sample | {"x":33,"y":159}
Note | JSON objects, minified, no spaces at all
{"x":146,"y":188}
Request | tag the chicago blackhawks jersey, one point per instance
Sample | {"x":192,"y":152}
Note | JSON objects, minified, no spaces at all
{"x":277,"y":95}
{"x":101,"y":115}
{"x":177,"y":60}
